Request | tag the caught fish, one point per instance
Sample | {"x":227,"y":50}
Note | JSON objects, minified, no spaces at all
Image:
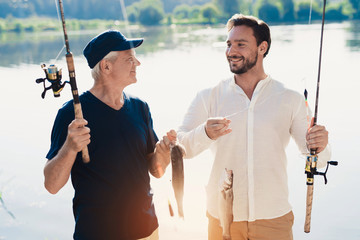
{"x":177,"y":163}
{"x":226,"y":203}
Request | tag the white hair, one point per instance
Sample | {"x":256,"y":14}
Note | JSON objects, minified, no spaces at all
{"x":111,"y":57}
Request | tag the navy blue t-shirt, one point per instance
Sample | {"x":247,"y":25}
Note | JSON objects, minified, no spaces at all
{"x":113,"y":197}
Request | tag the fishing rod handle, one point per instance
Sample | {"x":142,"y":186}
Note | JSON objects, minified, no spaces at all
{"x":77,"y":104}
{"x":71,"y":69}
{"x":79,"y":115}
{"x":309,"y":200}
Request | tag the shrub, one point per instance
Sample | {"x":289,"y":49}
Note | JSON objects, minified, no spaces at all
{"x":269,"y":12}
{"x":150,"y":15}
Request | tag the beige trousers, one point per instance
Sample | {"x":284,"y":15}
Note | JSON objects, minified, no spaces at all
{"x":267,"y":229}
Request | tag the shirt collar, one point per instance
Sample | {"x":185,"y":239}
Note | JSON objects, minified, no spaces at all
{"x":262,"y":83}
{"x":258,"y":87}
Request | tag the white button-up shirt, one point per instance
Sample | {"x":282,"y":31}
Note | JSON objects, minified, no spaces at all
{"x":255,"y":149}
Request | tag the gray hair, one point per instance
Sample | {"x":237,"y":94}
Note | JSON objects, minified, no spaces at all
{"x":96,"y":71}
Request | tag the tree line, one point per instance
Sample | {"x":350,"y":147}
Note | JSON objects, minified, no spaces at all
{"x":153,"y":12}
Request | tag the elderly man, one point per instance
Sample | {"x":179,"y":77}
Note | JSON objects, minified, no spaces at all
{"x":113,"y":197}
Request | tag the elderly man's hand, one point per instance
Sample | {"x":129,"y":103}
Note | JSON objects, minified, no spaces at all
{"x":162,"y":147}
{"x":78,"y":136}
{"x":161,"y":157}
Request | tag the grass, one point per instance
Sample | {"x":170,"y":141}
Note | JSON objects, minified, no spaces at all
{"x":37,"y":24}
{"x":41,"y":24}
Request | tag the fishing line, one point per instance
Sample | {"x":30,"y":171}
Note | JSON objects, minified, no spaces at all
{"x":311,"y":3}
{"x":60,"y":52}
{"x":124,"y":13}
{"x":231,"y":115}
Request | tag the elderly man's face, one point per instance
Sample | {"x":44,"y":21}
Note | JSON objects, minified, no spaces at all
{"x":124,"y":68}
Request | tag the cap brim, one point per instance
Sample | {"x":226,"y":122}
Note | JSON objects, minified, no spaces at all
{"x":136,"y":42}
{"x":129,"y":44}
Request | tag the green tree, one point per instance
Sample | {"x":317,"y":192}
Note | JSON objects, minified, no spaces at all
{"x":347,"y":9}
{"x":269,"y":12}
{"x":18,"y":27}
{"x":151,"y":12}
{"x":335,"y":12}
{"x":133,"y":12}
{"x":288,"y":10}
{"x":228,"y":7}
{"x":356,"y":7}
{"x":170,"y":5}
{"x":195,"y":11}
{"x":303,"y":11}
{"x":150,"y":15}
{"x":209,"y":12}
{"x":182,"y":11}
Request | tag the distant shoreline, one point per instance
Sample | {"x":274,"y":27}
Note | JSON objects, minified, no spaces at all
{"x":41,"y":24}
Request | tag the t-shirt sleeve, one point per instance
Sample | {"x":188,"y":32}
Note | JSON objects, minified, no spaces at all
{"x":59,"y":131}
{"x":152,"y":137}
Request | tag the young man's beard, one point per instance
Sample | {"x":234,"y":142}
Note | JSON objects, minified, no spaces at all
{"x":247,"y":65}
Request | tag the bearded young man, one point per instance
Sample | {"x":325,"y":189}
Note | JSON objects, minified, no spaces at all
{"x":263,"y":116}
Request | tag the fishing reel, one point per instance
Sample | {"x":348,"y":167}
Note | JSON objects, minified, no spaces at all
{"x":52,"y":75}
{"x":311,"y":168}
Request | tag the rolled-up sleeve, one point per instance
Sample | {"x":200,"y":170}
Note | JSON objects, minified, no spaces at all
{"x":191,"y":133}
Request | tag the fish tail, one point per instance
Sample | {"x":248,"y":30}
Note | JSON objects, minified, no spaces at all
{"x":171,"y":211}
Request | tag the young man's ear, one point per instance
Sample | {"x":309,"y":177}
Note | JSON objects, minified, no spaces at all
{"x":263,"y":47}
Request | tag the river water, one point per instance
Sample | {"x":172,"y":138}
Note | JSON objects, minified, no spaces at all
{"x":176,"y":63}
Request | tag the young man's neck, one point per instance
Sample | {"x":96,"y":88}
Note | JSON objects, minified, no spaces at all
{"x":249,"y":80}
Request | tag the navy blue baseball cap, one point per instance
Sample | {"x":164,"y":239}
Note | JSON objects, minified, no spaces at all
{"x":108,"y":41}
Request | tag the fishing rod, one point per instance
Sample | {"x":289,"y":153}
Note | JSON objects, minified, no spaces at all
{"x":53,"y":75}
{"x":311,"y":159}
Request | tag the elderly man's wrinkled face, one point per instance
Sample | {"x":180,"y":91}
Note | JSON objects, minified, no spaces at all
{"x":124,"y":68}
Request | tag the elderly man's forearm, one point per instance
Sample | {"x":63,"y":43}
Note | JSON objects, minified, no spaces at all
{"x":158,"y":165}
{"x":57,"y":170}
